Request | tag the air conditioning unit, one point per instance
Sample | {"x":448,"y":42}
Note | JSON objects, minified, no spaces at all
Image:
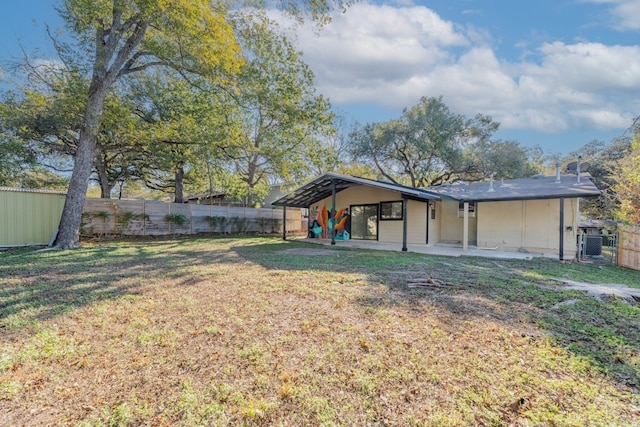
{"x":592,"y":245}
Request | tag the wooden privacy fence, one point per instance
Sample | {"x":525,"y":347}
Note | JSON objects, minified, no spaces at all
{"x":152,"y":218}
{"x":629,"y":247}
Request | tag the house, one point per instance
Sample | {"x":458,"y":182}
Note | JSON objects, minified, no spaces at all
{"x":536,"y":215}
{"x":217,"y":199}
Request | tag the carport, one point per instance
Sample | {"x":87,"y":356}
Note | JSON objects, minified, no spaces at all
{"x":329,"y":184}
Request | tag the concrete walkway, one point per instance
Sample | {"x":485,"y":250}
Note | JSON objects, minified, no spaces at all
{"x":438,"y":249}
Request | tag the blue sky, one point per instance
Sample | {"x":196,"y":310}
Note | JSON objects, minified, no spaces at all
{"x":554,"y":73}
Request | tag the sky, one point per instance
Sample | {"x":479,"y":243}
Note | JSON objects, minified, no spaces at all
{"x":554,"y":73}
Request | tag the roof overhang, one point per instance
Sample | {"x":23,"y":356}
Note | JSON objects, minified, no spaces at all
{"x":520,"y":189}
{"x":322,"y":187}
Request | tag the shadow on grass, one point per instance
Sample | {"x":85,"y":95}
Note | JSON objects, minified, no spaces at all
{"x":518,"y":293}
{"x":39,"y":286}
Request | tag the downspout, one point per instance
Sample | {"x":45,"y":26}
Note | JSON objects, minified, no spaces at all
{"x":333,"y":212}
{"x":404,"y":223}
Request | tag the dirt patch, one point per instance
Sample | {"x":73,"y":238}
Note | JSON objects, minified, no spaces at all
{"x":600,"y":290}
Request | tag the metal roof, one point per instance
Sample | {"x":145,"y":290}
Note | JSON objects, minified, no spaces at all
{"x":540,"y":187}
{"x":322,"y":187}
{"x":543,"y":187}
{"x":32,"y":190}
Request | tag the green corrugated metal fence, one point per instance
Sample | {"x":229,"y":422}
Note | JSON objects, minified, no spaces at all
{"x":29,"y":217}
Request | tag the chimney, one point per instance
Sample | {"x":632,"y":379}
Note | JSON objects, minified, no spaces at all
{"x":558,"y":173}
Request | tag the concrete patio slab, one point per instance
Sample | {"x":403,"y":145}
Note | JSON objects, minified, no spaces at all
{"x":439,"y":249}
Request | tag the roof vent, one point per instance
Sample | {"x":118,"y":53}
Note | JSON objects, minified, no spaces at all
{"x":577,"y":168}
{"x":578,"y":164}
{"x":558,"y":173}
{"x":491,"y":190}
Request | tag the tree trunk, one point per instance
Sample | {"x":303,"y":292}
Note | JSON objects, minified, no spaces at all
{"x":251,"y":181}
{"x":69,"y":228}
{"x":249,"y":197}
{"x":103,"y":178}
{"x":179,"y":178}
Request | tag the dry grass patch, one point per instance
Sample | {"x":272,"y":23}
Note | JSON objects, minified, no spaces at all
{"x":260,"y":332}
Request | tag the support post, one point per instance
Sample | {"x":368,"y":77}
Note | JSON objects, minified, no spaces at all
{"x":428,"y":219}
{"x":284,"y":222}
{"x":465,"y":228}
{"x":332,"y":218}
{"x":405,"y":202}
{"x":561,"y":247}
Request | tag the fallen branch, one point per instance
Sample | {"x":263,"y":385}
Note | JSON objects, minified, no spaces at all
{"x":430,"y":283}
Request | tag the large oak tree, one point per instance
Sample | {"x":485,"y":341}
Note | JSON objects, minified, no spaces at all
{"x":278,"y":116}
{"x":431,"y":145}
{"x":627,"y":180}
{"x":131,"y":36}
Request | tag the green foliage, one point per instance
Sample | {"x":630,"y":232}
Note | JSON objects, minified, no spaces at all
{"x":276,"y":119}
{"x":605,"y":163}
{"x":426,"y":146}
{"x":240,"y":224}
{"x":263,"y":223}
{"x":124,"y":219}
{"x":224,"y":221}
{"x":503,"y":159}
{"x":177,"y":219}
{"x":627,"y":180}
{"x":102,"y":214}
{"x":212,"y":221}
{"x":15,"y":159}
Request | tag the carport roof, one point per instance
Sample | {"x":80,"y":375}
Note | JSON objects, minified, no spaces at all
{"x":322,"y":187}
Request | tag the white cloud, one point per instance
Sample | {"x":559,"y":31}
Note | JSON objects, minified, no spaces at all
{"x":625,"y":13}
{"x":391,"y":56}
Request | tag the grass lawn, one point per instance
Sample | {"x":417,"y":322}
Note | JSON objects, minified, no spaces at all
{"x":257,"y":331}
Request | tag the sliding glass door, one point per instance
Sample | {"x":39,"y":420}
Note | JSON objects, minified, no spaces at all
{"x":364,"y":222}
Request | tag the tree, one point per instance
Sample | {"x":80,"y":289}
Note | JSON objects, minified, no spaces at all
{"x":181,"y":126}
{"x":336,"y":158}
{"x":15,"y":160}
{"x":119,"y":150}
{"x":279,"y":117}
{"x":45,"y":114}
{"x":500,"y":159}
{"x":131,"y":36}
{"x":604,"y":161}
{"x":627,"y":180}
{"x":426,"y":146}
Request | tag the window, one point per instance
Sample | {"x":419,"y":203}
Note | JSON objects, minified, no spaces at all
{"x":472,"y":209}
{"x":390,"y":211}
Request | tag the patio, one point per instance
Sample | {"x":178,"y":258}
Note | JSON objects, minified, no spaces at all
{"x":436,"y":249}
